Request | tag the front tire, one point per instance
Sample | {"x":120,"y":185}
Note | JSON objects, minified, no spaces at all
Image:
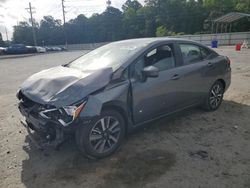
{"x":214,"y":97}
{"x":102,"y":136}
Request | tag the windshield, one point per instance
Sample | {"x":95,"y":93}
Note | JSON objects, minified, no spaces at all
{"x":111,"y":55}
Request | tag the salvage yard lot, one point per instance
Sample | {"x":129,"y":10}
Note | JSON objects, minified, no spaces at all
{"x":192,"y":149}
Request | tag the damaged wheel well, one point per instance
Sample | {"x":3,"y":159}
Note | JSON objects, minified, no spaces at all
{"x":120,"y":110}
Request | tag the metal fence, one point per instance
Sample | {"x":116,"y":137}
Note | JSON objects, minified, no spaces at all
{"x":223,"y":39}
{"x":90,"y":46}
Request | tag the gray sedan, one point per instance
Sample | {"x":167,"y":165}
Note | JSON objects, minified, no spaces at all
{"x":105,"y":94}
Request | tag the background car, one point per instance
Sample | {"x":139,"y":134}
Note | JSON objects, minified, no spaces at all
{"x":56,"y":48}
{"x":32,"y":49}
{"x":2,"y":50}
{"x":48,"y":49}
{"x":40,"y":49}
{"x":63,"y":48}
{"x":20,"y":49}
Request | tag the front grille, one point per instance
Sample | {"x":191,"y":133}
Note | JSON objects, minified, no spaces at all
{"x":27,"y":103}
{"x":33,"y":107}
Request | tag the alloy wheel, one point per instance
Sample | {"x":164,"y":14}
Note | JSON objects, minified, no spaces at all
{"x":216,"y":96}
{"x":105,"y":134}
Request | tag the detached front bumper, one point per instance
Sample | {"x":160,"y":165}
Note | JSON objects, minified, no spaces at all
{"x":43,"y":132}
{"x":42,"y":143}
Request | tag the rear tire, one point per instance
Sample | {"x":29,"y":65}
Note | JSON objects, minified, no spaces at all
{"x":102,"y":136}
{"x":214,"y":97}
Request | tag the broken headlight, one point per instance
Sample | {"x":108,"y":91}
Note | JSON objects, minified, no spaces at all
{"x":65,"y":115}
{"x":70,"y":113}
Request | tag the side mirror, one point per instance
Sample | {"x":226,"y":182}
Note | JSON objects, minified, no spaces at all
{"x":150,"y":71}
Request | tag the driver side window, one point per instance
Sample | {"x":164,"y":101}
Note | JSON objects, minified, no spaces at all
{"x":161,"y":57}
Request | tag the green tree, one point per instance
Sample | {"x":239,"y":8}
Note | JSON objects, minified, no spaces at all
{"x":155,"y":18}
{"x":134,"y":4}
{"x":194,"y":15}
{"x":94,"y":28}
{"x":219,"y":7}
{"x":243,"y":6}
{"x":50,"y":31}
{"x":243,"y":24}
{"x":77,"y":30}
{"x":108,"y":26}
{"x":133,"y":23}
{"x":161,"y":31}
{"x":178,"y":15}
{"x":104,"y":27}
{"x":149,"y":19}
{"x":23,"y":34}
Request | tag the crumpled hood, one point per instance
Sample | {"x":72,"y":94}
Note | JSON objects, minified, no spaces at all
{"x":62,"y":86}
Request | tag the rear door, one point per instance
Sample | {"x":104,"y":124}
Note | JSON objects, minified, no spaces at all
{"x":194,"y":70}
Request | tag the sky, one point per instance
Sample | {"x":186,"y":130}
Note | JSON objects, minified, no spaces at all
{"x":13,"y":11}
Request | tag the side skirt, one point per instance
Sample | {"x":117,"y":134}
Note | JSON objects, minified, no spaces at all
{"x":142,"y":124}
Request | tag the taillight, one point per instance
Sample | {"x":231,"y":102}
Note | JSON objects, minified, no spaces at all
{"x":228,"y":61}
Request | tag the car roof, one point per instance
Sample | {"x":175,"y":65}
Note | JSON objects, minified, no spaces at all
{"x":154,"y":40}
{"x":149,"y":42}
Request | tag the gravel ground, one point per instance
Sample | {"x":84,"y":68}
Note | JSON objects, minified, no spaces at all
{"x":193,"y":149}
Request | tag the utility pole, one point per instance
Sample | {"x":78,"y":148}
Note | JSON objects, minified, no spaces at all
{"x":64,"y":28}
{"x":30,"y":11}
{"x":6,"y":32}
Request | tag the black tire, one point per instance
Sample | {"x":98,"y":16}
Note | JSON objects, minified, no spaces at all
{"x":91,"y":138}
{"x":214,"y":97}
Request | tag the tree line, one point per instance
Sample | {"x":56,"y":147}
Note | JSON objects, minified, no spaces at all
{"x":154,"y":18}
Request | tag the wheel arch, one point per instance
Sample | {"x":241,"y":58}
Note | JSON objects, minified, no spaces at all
{"x":223,"y":83}
{"x":121,"y":110}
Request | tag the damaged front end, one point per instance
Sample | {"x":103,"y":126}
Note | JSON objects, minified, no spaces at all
{"x":48,"y":126}
{"x":52,"y":100}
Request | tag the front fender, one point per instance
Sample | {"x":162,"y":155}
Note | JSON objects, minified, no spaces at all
{"x":92,"y":108}
{"x":116,"y":96}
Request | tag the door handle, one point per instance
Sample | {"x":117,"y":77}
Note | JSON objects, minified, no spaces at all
{"x":175,"y":77}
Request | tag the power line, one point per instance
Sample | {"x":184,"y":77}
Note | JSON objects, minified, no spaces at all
{"x":30,"y":11}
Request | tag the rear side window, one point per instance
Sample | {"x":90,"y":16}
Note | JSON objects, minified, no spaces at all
{"x":207,"y":54}
{"x":190,"y":53}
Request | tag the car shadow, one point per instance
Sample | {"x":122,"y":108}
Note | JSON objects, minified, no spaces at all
{"x":138,"y":162}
